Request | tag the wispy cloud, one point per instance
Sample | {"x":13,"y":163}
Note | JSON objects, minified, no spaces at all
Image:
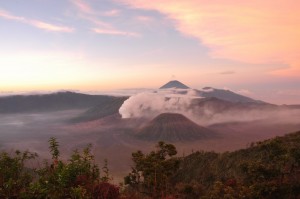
{"x":111,"y":13}
{"x":88,"y":13}
{"x":83,"y":7}
{"x":227,"y":72}
{"x":144,"y":18}
{"x":85,"y":11}
{"x":114,"y":32}
{"x":292,"y":71}
{"x":50,"y":27}
{"x":249,"y":31}
{"x":7,"y":15}
{"x":36,"y":23}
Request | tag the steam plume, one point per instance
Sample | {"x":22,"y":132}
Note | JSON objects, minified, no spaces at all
{"x":150,"y":104}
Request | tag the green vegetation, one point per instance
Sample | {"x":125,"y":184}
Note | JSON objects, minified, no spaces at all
{"x":77,"y":178}
{"x":151,"y":173}
{"x":14,"y":178}
{"x":266,"y":170}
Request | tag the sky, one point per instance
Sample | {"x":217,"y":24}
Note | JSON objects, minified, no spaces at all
{"x":249,"y":47}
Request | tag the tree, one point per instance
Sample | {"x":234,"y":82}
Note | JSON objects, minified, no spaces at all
{"x":151,"y":172}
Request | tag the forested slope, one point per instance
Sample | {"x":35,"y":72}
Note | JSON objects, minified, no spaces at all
{"x":268,"y":169}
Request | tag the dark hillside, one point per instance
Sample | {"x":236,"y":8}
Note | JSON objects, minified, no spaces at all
{"x":208,"y":108}
{"x":227,"y":95}
{"x":268,"y":169}
{"x":50,"y":102}
{"x":219,"y":105}
{"x":110,"y":107}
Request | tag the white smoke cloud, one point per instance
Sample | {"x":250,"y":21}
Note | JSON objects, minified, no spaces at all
{"x":152,"y":103}
{"x":149,"y":104}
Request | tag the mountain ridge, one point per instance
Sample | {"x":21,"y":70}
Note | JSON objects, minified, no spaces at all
{"x":50,"y":102}
{"x":209,"y":92}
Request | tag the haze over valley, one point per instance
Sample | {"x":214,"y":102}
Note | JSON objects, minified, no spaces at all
{"x":208,"y":119}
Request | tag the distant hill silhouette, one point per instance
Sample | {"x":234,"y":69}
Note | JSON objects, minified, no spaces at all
{"x":293,"y":106}
{"x":51,"y":102}
{"x":173,"y":127}
{"x":216,"y":105}
{"x":226,"y":95}
{"x":101,"y":110}
{"x":174,"y":84}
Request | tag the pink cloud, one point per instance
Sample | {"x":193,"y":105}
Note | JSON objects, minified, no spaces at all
{"x":249,"y":31}
{"x":50,"y":27}
{"x":292,"y":71}
{"x":7,"y":15}
{"x":111,"y":13}
{"x":88,"y":13}
{"x":83,"y":6}
{"x":36,"y":23}
{"x":114,"y":32}
{"x":96,"y":21}
{"x":145,"y":19}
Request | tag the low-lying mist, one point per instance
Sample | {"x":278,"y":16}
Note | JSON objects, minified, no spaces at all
{"x":237,"y":124}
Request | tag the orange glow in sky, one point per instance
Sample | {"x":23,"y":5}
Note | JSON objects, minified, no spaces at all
{"x":100,"y":45}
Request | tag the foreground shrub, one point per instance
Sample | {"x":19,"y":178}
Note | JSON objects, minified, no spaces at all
{"x":14,"y":177}
{"x":105,"y":190}
{"x":79,"y":177}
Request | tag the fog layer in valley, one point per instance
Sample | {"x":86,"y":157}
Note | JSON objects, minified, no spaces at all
{"x":112,"y":137}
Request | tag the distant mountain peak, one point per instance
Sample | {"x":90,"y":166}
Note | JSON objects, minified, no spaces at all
{"x":174,"y":84}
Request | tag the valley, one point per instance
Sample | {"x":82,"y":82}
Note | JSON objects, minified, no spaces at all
{"x":193,"y":120}
{"x":114,"y":138}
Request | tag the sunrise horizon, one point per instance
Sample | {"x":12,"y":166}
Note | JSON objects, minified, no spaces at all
{"x":247,"y":47}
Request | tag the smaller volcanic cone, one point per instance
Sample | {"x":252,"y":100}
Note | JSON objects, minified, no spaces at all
{"x":173,"y":127}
